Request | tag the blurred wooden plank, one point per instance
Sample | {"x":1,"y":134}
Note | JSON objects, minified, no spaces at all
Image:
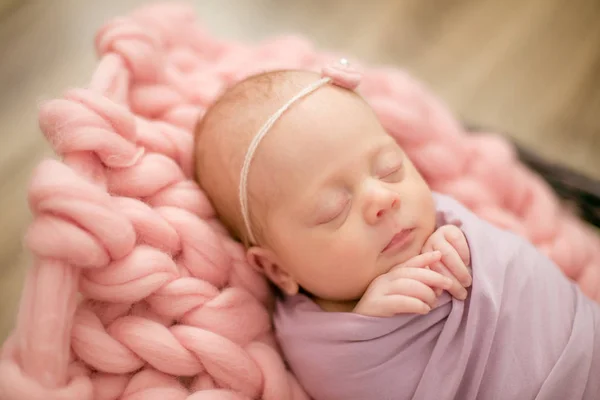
{"x":11,"y":284}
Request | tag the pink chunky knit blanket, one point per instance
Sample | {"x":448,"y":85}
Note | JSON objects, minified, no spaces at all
{"x":135,"y":291}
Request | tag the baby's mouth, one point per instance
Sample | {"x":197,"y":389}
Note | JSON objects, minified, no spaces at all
{"x":399,"y":241}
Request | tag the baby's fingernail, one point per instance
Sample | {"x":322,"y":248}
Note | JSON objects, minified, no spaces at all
{"x":467,"y":282}
{"x":426,"y":309}
{"x":436,"y":253}
{"x":463,"y":295}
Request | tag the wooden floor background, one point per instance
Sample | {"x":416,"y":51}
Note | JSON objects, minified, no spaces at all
{"x":529,"y":68}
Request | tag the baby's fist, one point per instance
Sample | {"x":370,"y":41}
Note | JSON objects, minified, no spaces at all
{"x":456,"y":256}
{"x":408,"y":288}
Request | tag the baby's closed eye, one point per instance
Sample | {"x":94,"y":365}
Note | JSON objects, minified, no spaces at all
{"x":333,"y":209}
{"x":390,"y":169}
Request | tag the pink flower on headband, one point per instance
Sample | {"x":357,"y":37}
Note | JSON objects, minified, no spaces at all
{"x":342,"y":74}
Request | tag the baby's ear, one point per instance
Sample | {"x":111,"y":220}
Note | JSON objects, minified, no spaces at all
{"x":266,"y":262}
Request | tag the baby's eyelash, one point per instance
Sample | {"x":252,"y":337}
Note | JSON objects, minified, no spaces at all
{"x":392,"y":169}
{"x":339,"y":211}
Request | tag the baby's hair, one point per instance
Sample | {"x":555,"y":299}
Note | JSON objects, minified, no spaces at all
{"x":232,"y":114}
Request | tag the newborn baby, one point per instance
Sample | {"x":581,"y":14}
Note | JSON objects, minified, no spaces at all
{"x":333,"y":212}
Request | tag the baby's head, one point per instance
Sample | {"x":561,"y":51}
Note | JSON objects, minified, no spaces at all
{"x":327,"y":189}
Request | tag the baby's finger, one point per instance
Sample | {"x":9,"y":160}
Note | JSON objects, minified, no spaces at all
{"x":456,"y":289}
{"x":459,"y":242}
{"x":432,"y":279}
{"x":454,"y":263}
{"x":421,"y":261}
{"x":413,"y":288}
{"x":399,"y":304}
{"x":438,"y":292}
{"x":428,"y":246}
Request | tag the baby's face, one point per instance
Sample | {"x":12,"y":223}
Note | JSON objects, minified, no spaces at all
{"x":334,"y":192}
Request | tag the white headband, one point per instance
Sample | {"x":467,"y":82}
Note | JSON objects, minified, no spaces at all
{"x":340,"y":75}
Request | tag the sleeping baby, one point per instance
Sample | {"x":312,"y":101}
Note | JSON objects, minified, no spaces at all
{"x":386,"y":289}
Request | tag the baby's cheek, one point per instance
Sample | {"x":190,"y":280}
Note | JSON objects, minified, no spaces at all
{"x":427,"y":213}
{"x":349,"y":247}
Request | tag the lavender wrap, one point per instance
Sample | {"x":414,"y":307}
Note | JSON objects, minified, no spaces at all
{"x":524,"y":332}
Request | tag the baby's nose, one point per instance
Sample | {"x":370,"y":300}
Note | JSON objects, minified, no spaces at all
{"x":382,"y":202}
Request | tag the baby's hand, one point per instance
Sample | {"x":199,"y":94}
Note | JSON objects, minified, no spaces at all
{"x":451,"y":242}
{"x":407,"y":288}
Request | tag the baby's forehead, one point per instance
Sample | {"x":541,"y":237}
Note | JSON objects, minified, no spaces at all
{"x":235,"y":119}
{"x":324,"y":119}
{"x":331,"y":127}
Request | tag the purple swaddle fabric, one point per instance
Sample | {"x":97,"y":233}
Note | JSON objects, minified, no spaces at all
{"x":524,"y":332}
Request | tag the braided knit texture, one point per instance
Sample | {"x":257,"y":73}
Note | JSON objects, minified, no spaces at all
{"x":135,"y":291}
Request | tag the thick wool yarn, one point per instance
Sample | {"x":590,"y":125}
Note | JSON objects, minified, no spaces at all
{"x":136,"y":292}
